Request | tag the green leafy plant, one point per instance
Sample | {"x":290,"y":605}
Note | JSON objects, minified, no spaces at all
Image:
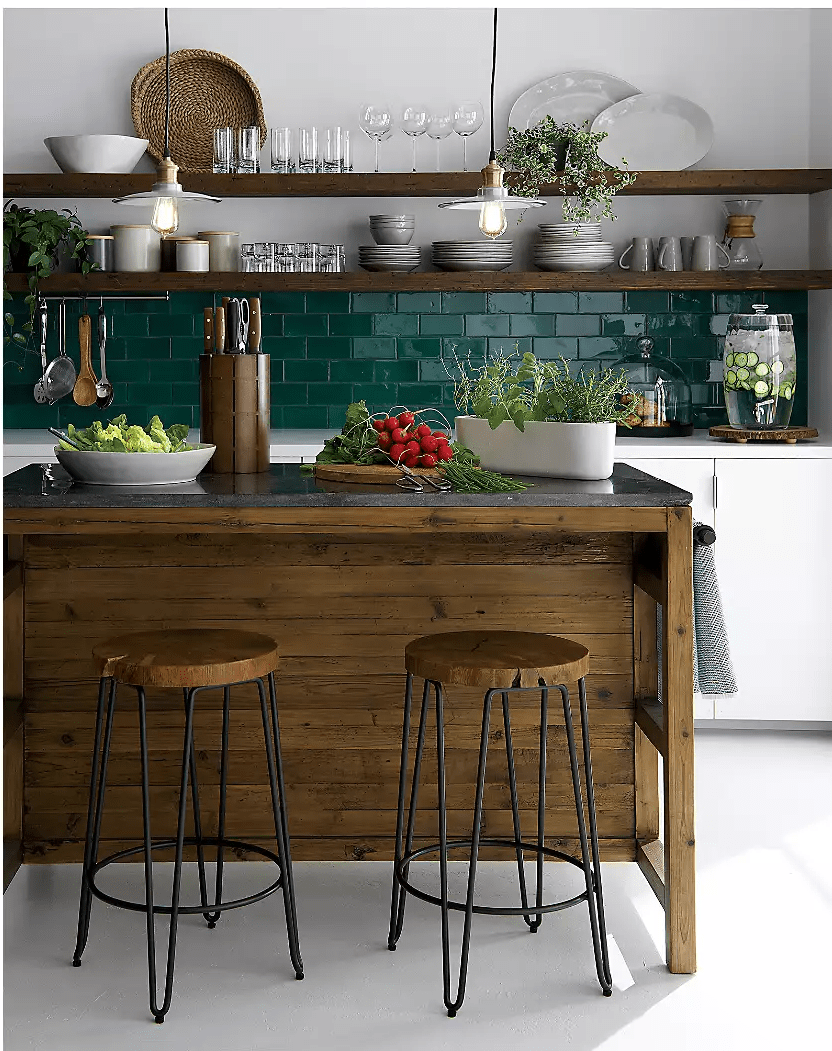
{"x":32,"y":239}
{"x":549,"y":150}
{"x":523,"y":390}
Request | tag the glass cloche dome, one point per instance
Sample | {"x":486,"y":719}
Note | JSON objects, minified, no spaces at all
{"x":660,"y":395}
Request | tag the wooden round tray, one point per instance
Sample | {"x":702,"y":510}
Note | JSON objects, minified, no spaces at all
{"x":790,"y":435}
{"x":365,"y":474}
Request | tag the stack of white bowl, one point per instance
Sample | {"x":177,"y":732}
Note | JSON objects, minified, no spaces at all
{"x":392,"y":250}
{"x":472,"y":255}
{"x":572,"y":246}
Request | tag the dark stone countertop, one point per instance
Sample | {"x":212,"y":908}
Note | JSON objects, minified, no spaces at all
{"x":49,"y":487}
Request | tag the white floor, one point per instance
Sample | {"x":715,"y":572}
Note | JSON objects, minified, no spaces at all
{"x":764,"y":842}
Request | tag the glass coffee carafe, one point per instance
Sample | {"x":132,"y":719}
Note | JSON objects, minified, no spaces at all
{"x":760,"y":370}
{"x":739,"y":243}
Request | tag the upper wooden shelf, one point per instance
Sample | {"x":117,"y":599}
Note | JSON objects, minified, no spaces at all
{"x":407,"y":184}
{"x":429,"y":281}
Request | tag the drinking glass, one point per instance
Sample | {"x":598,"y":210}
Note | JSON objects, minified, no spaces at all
{"x":223,"y":151}
{"x":346,"y":151}
{"x":263,"y":256}
{"x":307,"y":258}
{"x":308,"y":159}
{"x":414,"y":123}
{"x":333,"y":151}
{"x":376,"y":121}
{"x":248,"y":150}
{"x":468,"y":117}
{"x":283,"y":159}
{"x":248,"y":262}
{"x":332,"y":259}
{"x":284,"y":255}
{"x":440,"y":126}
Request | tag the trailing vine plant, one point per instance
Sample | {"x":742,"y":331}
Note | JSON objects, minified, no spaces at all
{"x":549,"y":151}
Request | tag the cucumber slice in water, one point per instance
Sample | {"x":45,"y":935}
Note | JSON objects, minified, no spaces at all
{"x":743,"y":373}
{"x":786,"y":391}
{"x":741,"y":358}
{"x":777,"y":366}
{"x":729,"y":360}
{"x":730,"y":378}
{"x":752,"y":358}
{"x":762,"y":389}
{"x":761,"y":369}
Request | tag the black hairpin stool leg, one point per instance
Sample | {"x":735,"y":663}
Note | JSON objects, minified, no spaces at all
{"x":98,"y":781}
{"x":200,"y":851}
{"x":399,"y":894}
{"x":515,"y":816}
{"x":160,"y":1012}
{"x":593,"y":881}
{"x":454,"y":1005}
{"x":278,"y":794}
{"x":226,"y":705}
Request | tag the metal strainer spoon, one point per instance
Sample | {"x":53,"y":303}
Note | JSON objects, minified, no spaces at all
{"x":59,"y":378}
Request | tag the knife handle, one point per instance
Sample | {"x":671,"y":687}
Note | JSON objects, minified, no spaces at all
{"x":255,"y":330}
{"x":208,"y":342}
{"x":219,"y":330}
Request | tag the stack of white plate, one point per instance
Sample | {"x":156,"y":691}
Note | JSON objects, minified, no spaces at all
{"x":472,"y":255}
{"x":389,"y":257}
{"x":572,"y":246}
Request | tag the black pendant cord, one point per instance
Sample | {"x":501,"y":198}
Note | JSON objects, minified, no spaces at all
{"x":167,"y":91}
{"x":493,"y":155}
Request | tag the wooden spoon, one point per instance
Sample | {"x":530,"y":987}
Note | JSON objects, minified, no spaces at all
{"x":84,"y":392}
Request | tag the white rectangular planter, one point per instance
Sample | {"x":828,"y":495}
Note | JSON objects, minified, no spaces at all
{"x":552,"y":450}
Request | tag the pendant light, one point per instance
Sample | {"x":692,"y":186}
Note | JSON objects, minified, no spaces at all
{"x":167,"y":191}
{"x":493,"y":199}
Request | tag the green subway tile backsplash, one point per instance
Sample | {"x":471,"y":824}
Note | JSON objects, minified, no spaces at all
{"x":329,"y":348}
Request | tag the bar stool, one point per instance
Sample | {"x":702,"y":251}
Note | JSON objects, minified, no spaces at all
{"x":502,"y":662}
{"x":195,"y":660}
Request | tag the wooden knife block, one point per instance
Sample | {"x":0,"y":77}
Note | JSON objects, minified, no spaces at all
{"x":234,"y":411}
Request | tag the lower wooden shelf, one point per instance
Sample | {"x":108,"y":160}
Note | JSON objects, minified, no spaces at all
{"x":358,"y":281}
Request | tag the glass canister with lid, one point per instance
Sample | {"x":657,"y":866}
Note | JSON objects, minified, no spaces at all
{"x":760,"y":369}
{"x":659,"y":398}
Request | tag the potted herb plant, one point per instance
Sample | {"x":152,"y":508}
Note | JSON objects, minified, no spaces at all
{"x":525,"y":416}
{"x":32,"y":240}
{"x":550,"y":150}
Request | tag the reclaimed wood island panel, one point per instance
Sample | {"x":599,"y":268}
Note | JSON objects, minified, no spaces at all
{"x":343,"y":576}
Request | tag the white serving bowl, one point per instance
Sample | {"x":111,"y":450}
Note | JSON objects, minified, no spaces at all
{"x":98,"y":468}
{"x":392,"y":235}
{"x":98,"y":154}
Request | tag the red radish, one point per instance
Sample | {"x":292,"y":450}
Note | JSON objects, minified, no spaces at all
{"x":401,"y":436}
{"x":406,"y":418}
{"x":378,"y":424}
{"x":411,"y":461}
{"x":413,"y":448}
{"x":429,"y":444}
{"x":397,"y":451}
{"x":385,"y":440}
{"x":440,"y":435}
{"x":422,"y":430}
{"x":391,"y":423}
{"x":444,"y":452}
{"x":428,"y":460}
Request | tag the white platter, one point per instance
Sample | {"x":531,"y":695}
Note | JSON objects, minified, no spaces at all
{"x":461,"y":265}
{"x":97,"y":468}
{"x":657,"y":132}
{"x":391,"y":267}
{"x":575,"y":97}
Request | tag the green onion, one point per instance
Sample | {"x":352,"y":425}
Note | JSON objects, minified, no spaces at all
{"x":468,"y":479}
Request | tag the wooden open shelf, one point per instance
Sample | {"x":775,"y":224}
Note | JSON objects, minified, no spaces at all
{"x":407,"y":184}
{"x":533,"y":281}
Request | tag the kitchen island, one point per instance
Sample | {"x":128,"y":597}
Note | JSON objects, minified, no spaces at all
{"x":343,"y":576}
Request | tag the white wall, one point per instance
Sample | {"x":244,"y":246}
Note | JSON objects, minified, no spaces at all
{"x":318,"y":66}
{"x":820,"y":222}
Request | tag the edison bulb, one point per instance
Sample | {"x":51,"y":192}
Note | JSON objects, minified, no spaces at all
{"x":493,"y":220}
{"x":165,"y":216}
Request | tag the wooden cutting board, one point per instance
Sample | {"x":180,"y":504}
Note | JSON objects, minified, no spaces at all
{"x":365,"y":474}
{"x":790,"y":435}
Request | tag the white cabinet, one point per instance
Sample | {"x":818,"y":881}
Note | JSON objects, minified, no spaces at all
{"x":775,"y":573}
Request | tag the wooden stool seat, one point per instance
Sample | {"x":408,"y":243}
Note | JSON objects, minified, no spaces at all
{"x":495,"y":659}
{"x":186,"y":658}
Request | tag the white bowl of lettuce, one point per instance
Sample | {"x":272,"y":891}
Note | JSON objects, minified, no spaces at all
{"x":119,"y":453}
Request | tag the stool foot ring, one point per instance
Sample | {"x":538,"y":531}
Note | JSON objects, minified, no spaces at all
{"x":488,"y":910}
{"x":183,"y":910}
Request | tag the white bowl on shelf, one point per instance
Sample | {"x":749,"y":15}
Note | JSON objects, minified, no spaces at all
{"x":96,"y":154}
{"x":100,"y":468}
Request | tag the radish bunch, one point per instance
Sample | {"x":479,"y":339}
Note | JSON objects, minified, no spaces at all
{"x":412,"y":444}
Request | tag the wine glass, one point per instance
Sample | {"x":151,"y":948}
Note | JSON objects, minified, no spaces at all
{"x":414,"y":123}
{"x":468,"y":117}
{"x":440,"y":126}
{"x":376,"y":121}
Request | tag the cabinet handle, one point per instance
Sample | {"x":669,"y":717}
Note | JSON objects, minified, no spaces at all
{"x":715,"y":491}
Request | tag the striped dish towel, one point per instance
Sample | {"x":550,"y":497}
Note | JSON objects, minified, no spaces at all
{"x":713,"y":672}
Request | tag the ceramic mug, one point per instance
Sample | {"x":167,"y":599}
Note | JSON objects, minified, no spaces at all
{"x":670,"y":253}
{"x":705,"y":248}
{"x":643,"y":257}
{"x":687,"y":251}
